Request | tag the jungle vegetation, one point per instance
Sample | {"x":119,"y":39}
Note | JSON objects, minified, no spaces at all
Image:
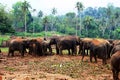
{"x":91,"y":22}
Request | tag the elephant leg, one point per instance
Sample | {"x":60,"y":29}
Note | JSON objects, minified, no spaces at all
{"x":87,"y":52}
{"x":115,"y":74}
{"x":79,"y":50}
{"x":83,"y":54}
{"x":69,"y":51}
{"x":9,"y":53}
{"x":12,"y":53}
{"x":60,"y":50}
{"x":22,"y":53}
{"x":91,"y":55}
{"x":75,"y":50}
{"x":50,"y":50}
{"x":57,"y":50}
{"x":95,"y":58}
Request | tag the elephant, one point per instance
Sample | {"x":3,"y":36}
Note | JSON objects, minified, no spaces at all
{"x":115,"y":65}
{"x":46,"y":45}
{"x":116,"y":42}
{"x":115,"y":49}
{"x":53,"y":41}
{"x":17,"y":45}
{"x":58,"y":40}
{"x":77,"y":40}
{"x":85,"y":45}
{"x":61,"y":43}
{"x":116,"y":46}
{"x":35,"y":47}
{"x":100,"y":48}
{"x":67,"y":43}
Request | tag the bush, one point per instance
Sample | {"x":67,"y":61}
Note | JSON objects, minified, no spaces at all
{"x":41,"y":34}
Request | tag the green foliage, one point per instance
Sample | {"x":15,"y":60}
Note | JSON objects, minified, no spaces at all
{"x":90,"y":22}
{"x":5,"y":21}
{"x":41,"y":34}
{"x":20,"y":9}
{"x":4,"y":38}
{"x":5,"y":50}
{"x":70,"y":31}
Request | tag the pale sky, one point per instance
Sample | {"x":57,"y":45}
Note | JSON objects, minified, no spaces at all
{"x":62,"y":6}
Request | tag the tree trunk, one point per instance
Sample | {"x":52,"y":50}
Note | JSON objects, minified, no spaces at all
{"x":76,"y":27}
{"x":33,"y":28}
{"x":25,"y":25}
{"x":80,"y":24}
{"x":45,"y":30}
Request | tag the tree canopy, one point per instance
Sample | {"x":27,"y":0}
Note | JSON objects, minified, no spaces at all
{"x":88,"y":22}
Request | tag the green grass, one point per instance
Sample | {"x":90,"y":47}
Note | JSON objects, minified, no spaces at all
{"x":4,"y":50}
{"x":4,"y":38}
{"x":10,"y":69}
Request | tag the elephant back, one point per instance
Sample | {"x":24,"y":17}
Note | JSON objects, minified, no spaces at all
{"x":85,"y":42}
{"x":99,"y":42}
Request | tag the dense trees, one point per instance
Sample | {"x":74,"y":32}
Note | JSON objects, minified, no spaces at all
{"x":5,"y":21}
{"x":90,"y":22}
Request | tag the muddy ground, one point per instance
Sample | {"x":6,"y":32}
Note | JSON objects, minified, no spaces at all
{"x":53,"y":67}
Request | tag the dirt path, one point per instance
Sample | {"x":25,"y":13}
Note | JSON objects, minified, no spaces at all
{"x":53,"y":68}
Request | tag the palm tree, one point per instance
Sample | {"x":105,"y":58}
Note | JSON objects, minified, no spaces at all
{"x":40,"y":14}
{"x":33,"y":21}
{"x":25,"y":7}
{"x":45,"y":23}
{"x":79,"y":7}
{"x":86,"y":23}
{"x":54,"y":11}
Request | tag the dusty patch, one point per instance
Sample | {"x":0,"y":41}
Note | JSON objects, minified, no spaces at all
{"x":53,"y":68}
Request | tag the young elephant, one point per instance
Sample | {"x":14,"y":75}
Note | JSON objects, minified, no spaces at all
{"x":17,"y":45}
{"x":85,"y":45}
{"x":115,"y":65}
{"x":45,"y":45}
{"x":35,"y":47}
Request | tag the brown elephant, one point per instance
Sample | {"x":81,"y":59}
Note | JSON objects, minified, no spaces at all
{"x":116,"y":42}
{"x":115,"y":49}
{"x":35,"y":46}
{"x":45,"y":47}
{"x":77,"y":40}
{"x":116,"y":46}
{"x":100,"y":48}
{"x":115,"y":65}
{"x":85,"y":45}
{"x":60,"y":41}
{"x":67,"y":43}
{"x":53,"y":41}
{"x":17,"y":45}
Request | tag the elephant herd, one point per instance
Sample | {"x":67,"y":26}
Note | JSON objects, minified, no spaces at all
{"x":94,"y":47}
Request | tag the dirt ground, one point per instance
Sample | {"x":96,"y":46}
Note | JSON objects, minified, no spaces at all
{"x":53,"y":67}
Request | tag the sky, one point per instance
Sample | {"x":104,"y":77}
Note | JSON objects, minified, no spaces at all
{"x":62,"y":6}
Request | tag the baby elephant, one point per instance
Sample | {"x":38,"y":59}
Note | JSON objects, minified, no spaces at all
{"x":115,"y":65}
